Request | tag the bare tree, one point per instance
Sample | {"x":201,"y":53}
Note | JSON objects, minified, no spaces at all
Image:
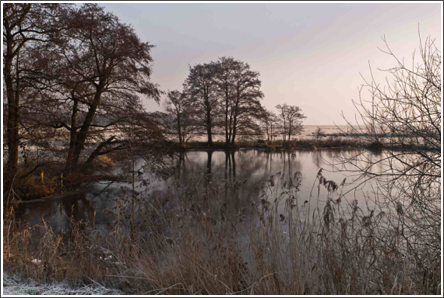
{"x":270,"y":121}
{"x":224,"y":79}
{"x":102,"y":69}
{"x":246,"y":106}
{"x":23,"y":24}
{"x":202,"y":88}
{"x":175,"y":106}
{"x":283,"y":116}
{"x":404,"y":119}
{"x":178,"y":107}
{"x":294,"y":120}
{"x":291,"y":117}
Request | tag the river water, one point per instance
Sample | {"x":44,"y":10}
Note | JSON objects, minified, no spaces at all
{"x":241,"y":179}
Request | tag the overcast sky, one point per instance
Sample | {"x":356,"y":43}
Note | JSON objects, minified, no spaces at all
{"x":308,"y":54}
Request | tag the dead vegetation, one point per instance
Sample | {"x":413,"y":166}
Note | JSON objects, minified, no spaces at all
{"x":188,"y":242}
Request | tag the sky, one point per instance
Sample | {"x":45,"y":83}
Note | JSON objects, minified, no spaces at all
{"x":308,"y":54}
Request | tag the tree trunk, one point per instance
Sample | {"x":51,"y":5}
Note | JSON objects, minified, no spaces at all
{"x":12,"y":125}
{"x":230,"y":126}
{"x":233,"y":137}
{"x":209,"y":133}
{"x":210,"y":137}
{"x":179,"y":130}
{"x":227,"y":138}
{"x":271,"y":129}
{"x":80,"y":138}
{"x":208,"y":116}
{"x":289,"y":132}
{"x":73,"y":135}
{"x":284,"y":133}
{"x":13,"y":47}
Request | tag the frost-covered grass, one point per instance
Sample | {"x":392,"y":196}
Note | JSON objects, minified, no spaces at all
{"x":14,"y":284}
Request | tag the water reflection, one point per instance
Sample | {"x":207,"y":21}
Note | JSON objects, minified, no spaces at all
{"x":226,"y":183}
{"x":59,"y":212}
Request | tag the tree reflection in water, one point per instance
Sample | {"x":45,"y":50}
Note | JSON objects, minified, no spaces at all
{"x":225,"y":184}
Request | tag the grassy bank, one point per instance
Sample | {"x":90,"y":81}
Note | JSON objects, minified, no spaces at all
{"x":189,"y":242}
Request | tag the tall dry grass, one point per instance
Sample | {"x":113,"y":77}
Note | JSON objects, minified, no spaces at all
{"x":196,"y":242}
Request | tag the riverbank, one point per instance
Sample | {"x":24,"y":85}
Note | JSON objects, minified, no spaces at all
{"x":306,"y":143}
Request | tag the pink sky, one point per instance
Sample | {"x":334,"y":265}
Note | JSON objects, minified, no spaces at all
{"x":308,"y":54}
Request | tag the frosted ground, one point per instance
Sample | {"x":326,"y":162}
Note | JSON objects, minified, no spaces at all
{"x":16,"y":285}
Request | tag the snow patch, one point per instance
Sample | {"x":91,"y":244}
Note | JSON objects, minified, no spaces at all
{"x":14,"y":284}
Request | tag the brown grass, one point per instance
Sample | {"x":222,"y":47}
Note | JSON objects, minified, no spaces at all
{"x":195,"y":247}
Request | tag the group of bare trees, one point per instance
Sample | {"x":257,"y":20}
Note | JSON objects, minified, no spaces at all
{"x":226,"y":94}
{"x":291,"y":117}
{"x":223,"y":94}
{"x":73,"y":77}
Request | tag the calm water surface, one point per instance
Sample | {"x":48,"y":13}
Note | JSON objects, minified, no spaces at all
{"x":238,"y":178}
